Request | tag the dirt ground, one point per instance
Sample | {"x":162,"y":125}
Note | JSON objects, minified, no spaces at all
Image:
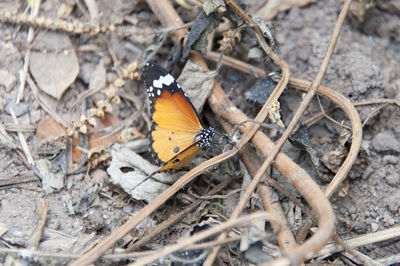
{"x":365,"y":66}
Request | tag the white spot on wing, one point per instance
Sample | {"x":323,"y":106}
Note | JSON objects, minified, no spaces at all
{"x":166,"y":80}
{"x":158,"y":92}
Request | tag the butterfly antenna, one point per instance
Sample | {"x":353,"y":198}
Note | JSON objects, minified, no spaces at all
{"x":146,"y":178}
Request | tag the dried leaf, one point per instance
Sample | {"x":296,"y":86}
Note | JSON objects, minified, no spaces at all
{"x":255,"y":253}
{"x":56,"y":66}
{"x":98,"y":78}
{"x":334,"y":159}
{"x":260,"y":91}
{"x":301,"y":139}
{"x":127,"y":169}
{"x":49,"y":128}
{"x":195,"y":257}
{"x":103,"y":139}
{"x":197,"y":40}
{"x":273,"y":7}
{"x":52,"y":173}
{"x":196,"y":83}
{"x":210,"y":6}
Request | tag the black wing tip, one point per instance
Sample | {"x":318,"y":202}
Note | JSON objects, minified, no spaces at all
{"x":152,"y":65}
{"x":152,"y":70}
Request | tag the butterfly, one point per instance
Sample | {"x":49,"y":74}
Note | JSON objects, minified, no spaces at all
{"x":177,"y":134}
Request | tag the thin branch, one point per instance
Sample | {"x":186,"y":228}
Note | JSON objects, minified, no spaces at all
{"x":22,"y":140}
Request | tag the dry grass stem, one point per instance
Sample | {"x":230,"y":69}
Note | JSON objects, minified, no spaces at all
{"x":24,"y":71}
{"x":42,"y":209}
{"x":359,"y":241}
{"x":22,"y":140}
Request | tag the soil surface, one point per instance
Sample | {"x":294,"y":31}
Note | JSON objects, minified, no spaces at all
{"x":365,"y":66}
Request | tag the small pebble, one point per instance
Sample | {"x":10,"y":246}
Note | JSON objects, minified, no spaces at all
{"x":19,"y":109}
{"x":374,"y":227}
{"x":386,"y":141}
{"x":393,"y":179}
{"x":7,"y":79}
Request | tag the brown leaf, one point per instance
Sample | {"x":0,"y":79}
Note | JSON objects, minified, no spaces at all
{"x":273,"y":7}
{"x":53,"y":63}
{"x":49,"y":128}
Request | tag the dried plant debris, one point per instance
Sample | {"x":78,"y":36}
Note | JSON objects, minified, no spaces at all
{"x":360,"y":10}
{"x":86,"y":200}
{"x":194,"y":257}
{"x":54,"y":64}
{"x":210,"y":6}
{"x":197,"y":40}
{"x":334,"y":159}
{"x":299,"y":149}
{"x":52,"y":240}
{"x":197,"y":83}
{"x":267,"y":29}
{"x":301,"y":139}
{"x":98,"y":139}
{"x":98,"y":78}
{"x":260,"y":91}
{"x":52,"y":171}
{"x":255,"y":253}
{"x":127,"y":169}
{"x":7,"y":79}
{"x":273,"y":7}
{"x":229,"y":38}
{"x":174,"y":55}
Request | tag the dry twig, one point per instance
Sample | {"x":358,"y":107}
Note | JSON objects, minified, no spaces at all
{"x":22,"y":140}
{"x":367,"y":239}
{"x":34,"y":12}
{"x":42,"y":208}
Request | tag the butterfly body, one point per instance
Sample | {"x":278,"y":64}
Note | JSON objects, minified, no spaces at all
{"x":177,"y":134}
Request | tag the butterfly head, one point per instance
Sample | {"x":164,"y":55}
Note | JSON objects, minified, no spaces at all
{"x":205,"y":137}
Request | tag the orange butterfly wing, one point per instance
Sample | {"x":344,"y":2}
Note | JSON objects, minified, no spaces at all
{"x":176,"y":123}
{"x":175,"y":127}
